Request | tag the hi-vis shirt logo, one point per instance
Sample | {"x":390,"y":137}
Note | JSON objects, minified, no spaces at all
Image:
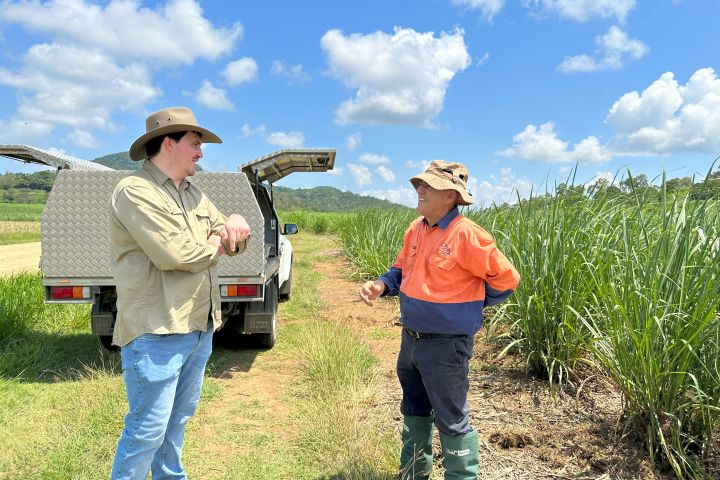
{"x":445,"y":250}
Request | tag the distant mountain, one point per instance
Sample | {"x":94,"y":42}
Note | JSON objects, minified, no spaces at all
{"x":121,"y":161}
{"x":326,"y":199}
{"x":118,"y":161}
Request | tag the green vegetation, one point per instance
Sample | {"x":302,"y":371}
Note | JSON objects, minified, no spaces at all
{"x":20,"y":212}
{"x":26,"y":187}
{"x":327,"y":199}
{"x":118,"y":161}
{"x":19,"y":232}
{"x":19,"y":223}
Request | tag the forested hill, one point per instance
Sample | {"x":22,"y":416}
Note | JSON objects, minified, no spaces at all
{"x":325,"y":199}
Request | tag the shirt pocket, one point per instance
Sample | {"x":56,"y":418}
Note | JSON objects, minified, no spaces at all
{"x":202,"y":216}
{"x":445,"y":264}
{"x":442,"y":273}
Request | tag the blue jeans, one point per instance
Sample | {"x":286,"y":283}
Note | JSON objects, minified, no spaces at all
{"x":433,"y":374}
{"x":163,"y":377}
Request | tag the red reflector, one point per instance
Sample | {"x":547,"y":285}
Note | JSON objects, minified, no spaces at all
{"x":62,"y":292}
{"x":246,"y":290}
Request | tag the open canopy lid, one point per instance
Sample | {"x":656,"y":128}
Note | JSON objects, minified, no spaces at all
{"x":276,"y":165}
{"x":27,"y":154}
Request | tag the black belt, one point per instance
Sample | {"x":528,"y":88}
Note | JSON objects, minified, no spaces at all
{"x":415,"y":334}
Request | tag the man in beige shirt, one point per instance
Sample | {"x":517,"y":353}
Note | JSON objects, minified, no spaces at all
{"x":165,"y":237}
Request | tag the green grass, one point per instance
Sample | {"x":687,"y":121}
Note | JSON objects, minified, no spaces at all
{"x":12,"y":232}
{"x":25,"y":212}
{"x":62,"y":398}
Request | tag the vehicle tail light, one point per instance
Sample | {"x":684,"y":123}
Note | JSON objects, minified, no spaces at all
{"x":70,"y":293}
{"x":239,"y":290}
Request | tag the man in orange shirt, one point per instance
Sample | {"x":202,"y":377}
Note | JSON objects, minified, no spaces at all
{"x":447,"y":271}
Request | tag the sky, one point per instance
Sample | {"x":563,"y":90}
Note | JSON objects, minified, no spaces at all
{"x":525,"y":93}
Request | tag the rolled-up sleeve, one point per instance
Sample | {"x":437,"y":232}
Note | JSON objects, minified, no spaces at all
{"x":161,"y":231}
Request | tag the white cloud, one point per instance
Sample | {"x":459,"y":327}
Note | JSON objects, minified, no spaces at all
{"x":613,"y":49}
{"x":286,"y":139}
{"x":82,"y":138}
{"x":279,"y":139}
{"x":417,"y":165}
{"x":481,"y":61}
{"x":668,"y":118}
{"x":24,"y":132}
{"x":295,"y":73}
{"x":71,"y":86}
{"x":498,"y":190}
{"x":604,"y":176}
{"x":489,"y":8}
{"x":241,"y":71}
{"x":336,"y":171}
{"x":100,"y":58}
{"x":247,"y":131}
{"x":385,"y":174}
{"x":360,"y":173}
{"x":542,"y":144}
{"x":400,"y":79}
{"x":353,"y":141}
{"x":170,"y":34}
{"x":583,"y":10}
{"x":663,"y":119}
{"x":213,"y":97}
{"x":401,"y":195}
{"x":374,"y":159}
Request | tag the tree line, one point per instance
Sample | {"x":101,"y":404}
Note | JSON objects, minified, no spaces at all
{"x":695,"y":189}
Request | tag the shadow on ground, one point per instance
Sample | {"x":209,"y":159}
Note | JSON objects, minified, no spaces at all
{"x":49,"y":358}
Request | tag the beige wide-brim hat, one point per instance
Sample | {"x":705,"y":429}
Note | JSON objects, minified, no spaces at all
{"x":169,"y":120}
{"x":442,"y":175}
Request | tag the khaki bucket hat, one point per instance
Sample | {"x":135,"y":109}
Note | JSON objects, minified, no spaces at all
{"x":169,"y":120}
{"x":442,"y":175}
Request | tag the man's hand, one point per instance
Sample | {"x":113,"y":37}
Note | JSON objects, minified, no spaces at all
{"x":236,"y":230}
{"x":371,"y":290}
{"x":216,"y":241}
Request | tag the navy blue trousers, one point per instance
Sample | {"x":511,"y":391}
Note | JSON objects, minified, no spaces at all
{"x":433,"y":374}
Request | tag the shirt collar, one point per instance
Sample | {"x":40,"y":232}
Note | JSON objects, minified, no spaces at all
{"x":159,"y":176}
{"x":445,"y":221}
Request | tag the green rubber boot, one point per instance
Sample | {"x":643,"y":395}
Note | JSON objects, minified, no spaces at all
{"x":460,"y":456}
{"x":416,"y":454}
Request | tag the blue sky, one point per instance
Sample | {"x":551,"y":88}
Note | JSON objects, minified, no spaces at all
{"x":519,"y":90}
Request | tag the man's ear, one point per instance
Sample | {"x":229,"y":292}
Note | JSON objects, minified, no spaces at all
{"x":167,"y":143}
{"x":453,"y":197}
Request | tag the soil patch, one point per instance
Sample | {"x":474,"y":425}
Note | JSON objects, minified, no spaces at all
{"x":19,"y":258}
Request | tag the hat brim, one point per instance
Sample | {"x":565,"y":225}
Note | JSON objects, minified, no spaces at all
{"x":442,"y":184}
{"x":137,"y":149}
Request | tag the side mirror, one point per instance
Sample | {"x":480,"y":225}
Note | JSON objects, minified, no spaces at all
{"x":290,"y":229}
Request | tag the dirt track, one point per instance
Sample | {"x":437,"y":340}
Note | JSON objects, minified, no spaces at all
{"x":20,"y":257}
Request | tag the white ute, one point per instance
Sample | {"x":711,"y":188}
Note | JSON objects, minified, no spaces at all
{"x":75,"y":253}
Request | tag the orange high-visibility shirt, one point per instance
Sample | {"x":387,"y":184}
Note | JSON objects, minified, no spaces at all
{"x":446,"y":274}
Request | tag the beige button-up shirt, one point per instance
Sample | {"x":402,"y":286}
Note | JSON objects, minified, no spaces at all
{"x":165,"y":271}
